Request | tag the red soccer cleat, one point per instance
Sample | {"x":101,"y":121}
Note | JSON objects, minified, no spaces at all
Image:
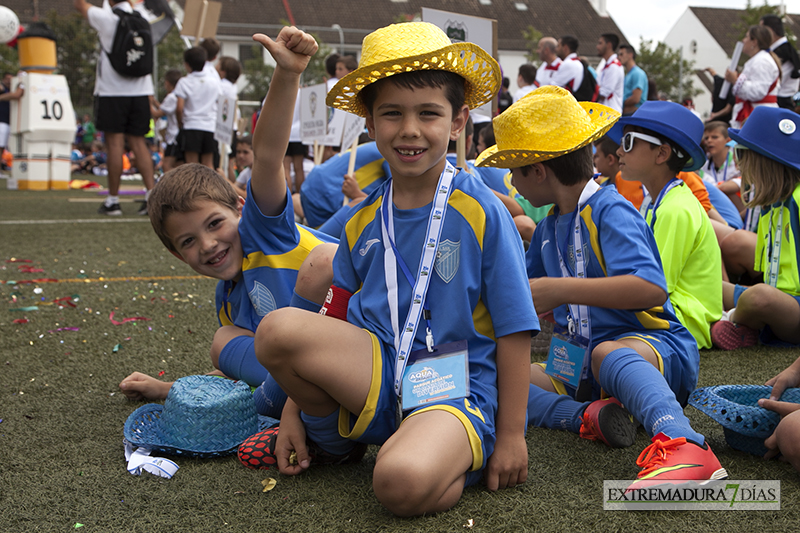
{"x":729,"y":336}
{"x":667,"y":461}
{"x":609,"y":422}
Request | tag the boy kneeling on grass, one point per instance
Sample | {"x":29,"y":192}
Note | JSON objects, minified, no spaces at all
{"x":263,"y":259}
{"x":428,"y":277}
{"x":595,"y":263}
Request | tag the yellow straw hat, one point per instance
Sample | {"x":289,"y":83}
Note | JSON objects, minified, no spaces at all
{"x":545,"y":124}
{"x":416,"y":46}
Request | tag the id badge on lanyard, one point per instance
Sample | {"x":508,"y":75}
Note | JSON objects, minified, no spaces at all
{"x":775,"y":250}
{"x":569,"y":354}
{"x":445,"y":360}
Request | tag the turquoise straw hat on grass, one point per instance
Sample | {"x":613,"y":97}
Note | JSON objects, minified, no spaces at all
{"x":203,"y":416}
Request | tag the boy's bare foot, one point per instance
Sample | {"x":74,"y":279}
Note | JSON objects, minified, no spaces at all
{"x":140,"y":386}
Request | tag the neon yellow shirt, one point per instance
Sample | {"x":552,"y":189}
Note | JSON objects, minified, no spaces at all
{"x":692,"y":261}
{"x":788,"y":276}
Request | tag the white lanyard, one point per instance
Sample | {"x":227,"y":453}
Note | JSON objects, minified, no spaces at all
{"x":674,"y":182}
{"x":578,"y":314}
{"x":724,"y":168}
{"x":404,"y":340}
{"x":775,"y":252}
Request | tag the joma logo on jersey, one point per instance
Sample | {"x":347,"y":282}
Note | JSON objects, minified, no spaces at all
{"x":424,"y":374}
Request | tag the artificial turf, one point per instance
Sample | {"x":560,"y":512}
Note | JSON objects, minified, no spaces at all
{"x":61,"y":454}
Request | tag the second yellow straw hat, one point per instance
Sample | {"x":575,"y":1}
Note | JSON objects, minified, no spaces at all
{"x":416,"y":46}
{"x":545,"y":124}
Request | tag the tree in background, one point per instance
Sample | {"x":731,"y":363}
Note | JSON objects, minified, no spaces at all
{"x":258,"y":74}
{"x":76,"y":45}
{"x":9,"y":59}
{"x":752,"y":14}
{"x":532,"y":36}
{"x":662,"y":65}
{"x":170,"y":55}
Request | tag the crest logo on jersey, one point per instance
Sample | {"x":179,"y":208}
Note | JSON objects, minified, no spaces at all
{"x":262,"y":299}
{"x":447,"y":260}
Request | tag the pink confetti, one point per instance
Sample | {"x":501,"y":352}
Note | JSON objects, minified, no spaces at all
{"x":63,"y":329}
{"x":131,"y":319}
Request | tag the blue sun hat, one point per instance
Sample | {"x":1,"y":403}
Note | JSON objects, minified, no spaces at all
{"x":744,"y":423}
{"x":203,"y":416}
{"x":773,"y":132}
{"x":674,"y":122}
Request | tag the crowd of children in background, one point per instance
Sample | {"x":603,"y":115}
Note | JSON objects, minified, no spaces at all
{"x":648,"y":238}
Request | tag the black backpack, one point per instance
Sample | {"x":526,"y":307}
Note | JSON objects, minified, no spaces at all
{"x":132,"y":52}
{"x":585,"y":92}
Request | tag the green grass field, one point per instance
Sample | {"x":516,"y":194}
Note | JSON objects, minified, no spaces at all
{"x":61,"y":455}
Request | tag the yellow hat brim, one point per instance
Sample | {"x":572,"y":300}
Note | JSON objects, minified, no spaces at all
{"x":468,"y":60}
{"x":601,"y":117}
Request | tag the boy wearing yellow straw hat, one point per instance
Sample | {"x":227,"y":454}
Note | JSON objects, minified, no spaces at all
{"x":595,"y":263}
{"x":431,"y":360}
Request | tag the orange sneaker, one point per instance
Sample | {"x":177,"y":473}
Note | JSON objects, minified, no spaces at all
{"x":609,"y":422}
{"x":667,"y":461}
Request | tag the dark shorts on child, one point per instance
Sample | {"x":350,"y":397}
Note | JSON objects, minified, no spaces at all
{"x":122,"y":114}
{"x":198,"y":141}
{"x":296,"y":149}
{"x":173,"y":150}
{"x":378,"y":420}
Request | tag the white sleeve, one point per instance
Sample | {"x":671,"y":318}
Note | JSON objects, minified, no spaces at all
{"x":757,"y":77}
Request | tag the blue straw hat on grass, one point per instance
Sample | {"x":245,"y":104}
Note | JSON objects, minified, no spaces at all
{"x":744,"y":423}
{"x":203,"y":416}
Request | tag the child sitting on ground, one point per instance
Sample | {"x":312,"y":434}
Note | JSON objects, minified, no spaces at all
{"x":786,"y":438}
{"x":660,"y":140}
{"x":768,"y":158}
{"x":263,"y":260}
{"x":346,"y":381}
{"x":594,"y":262}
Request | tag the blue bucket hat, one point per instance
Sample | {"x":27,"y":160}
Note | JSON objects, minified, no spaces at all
{"x":203,"y":416}
{"x":674,"y":122}
{"x":773,"y":132}
{"x":744,"y":423}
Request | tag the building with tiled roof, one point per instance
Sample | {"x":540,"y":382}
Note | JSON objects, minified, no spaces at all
{"x":343,"y":25}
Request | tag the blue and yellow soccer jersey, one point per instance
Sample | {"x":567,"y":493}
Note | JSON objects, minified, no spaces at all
{"x":616,"y":242}
{"x":788,"y":275}
{"x":691,"y":259}
{"x":321,"y":193}
{"x":488,"y":175}
{"x":477,"y":291}
{"x":274,"y":248}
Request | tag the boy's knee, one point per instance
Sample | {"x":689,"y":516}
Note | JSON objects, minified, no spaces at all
{"x":787,"y":435}
{"x":757,"y":299}
{"x":400,"y":487}
{"x":276,"y":334}
{"x":316,"y":273}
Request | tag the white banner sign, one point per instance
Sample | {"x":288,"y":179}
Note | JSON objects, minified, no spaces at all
{"x":226,"y":112}
{"x":313,"y":113}
{"x":353,"y":126}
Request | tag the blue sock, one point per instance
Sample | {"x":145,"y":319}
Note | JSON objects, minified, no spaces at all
{"x":301,"y":303}
{"x":238,"y":360}
{"x":552,"y":410}
{"x":324,"y":431}
{"x":630,"y":378}
{"x":269,"y":398}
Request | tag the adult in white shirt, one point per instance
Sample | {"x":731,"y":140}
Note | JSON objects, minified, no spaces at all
{"x":758,"y":83}
{"x":526,"y":81}
{"x":610,"y":73}
{"x":122,"y":105}
{"x":571,"y":65}
{"x":549,"y":71}
{"x":790,"y":62}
